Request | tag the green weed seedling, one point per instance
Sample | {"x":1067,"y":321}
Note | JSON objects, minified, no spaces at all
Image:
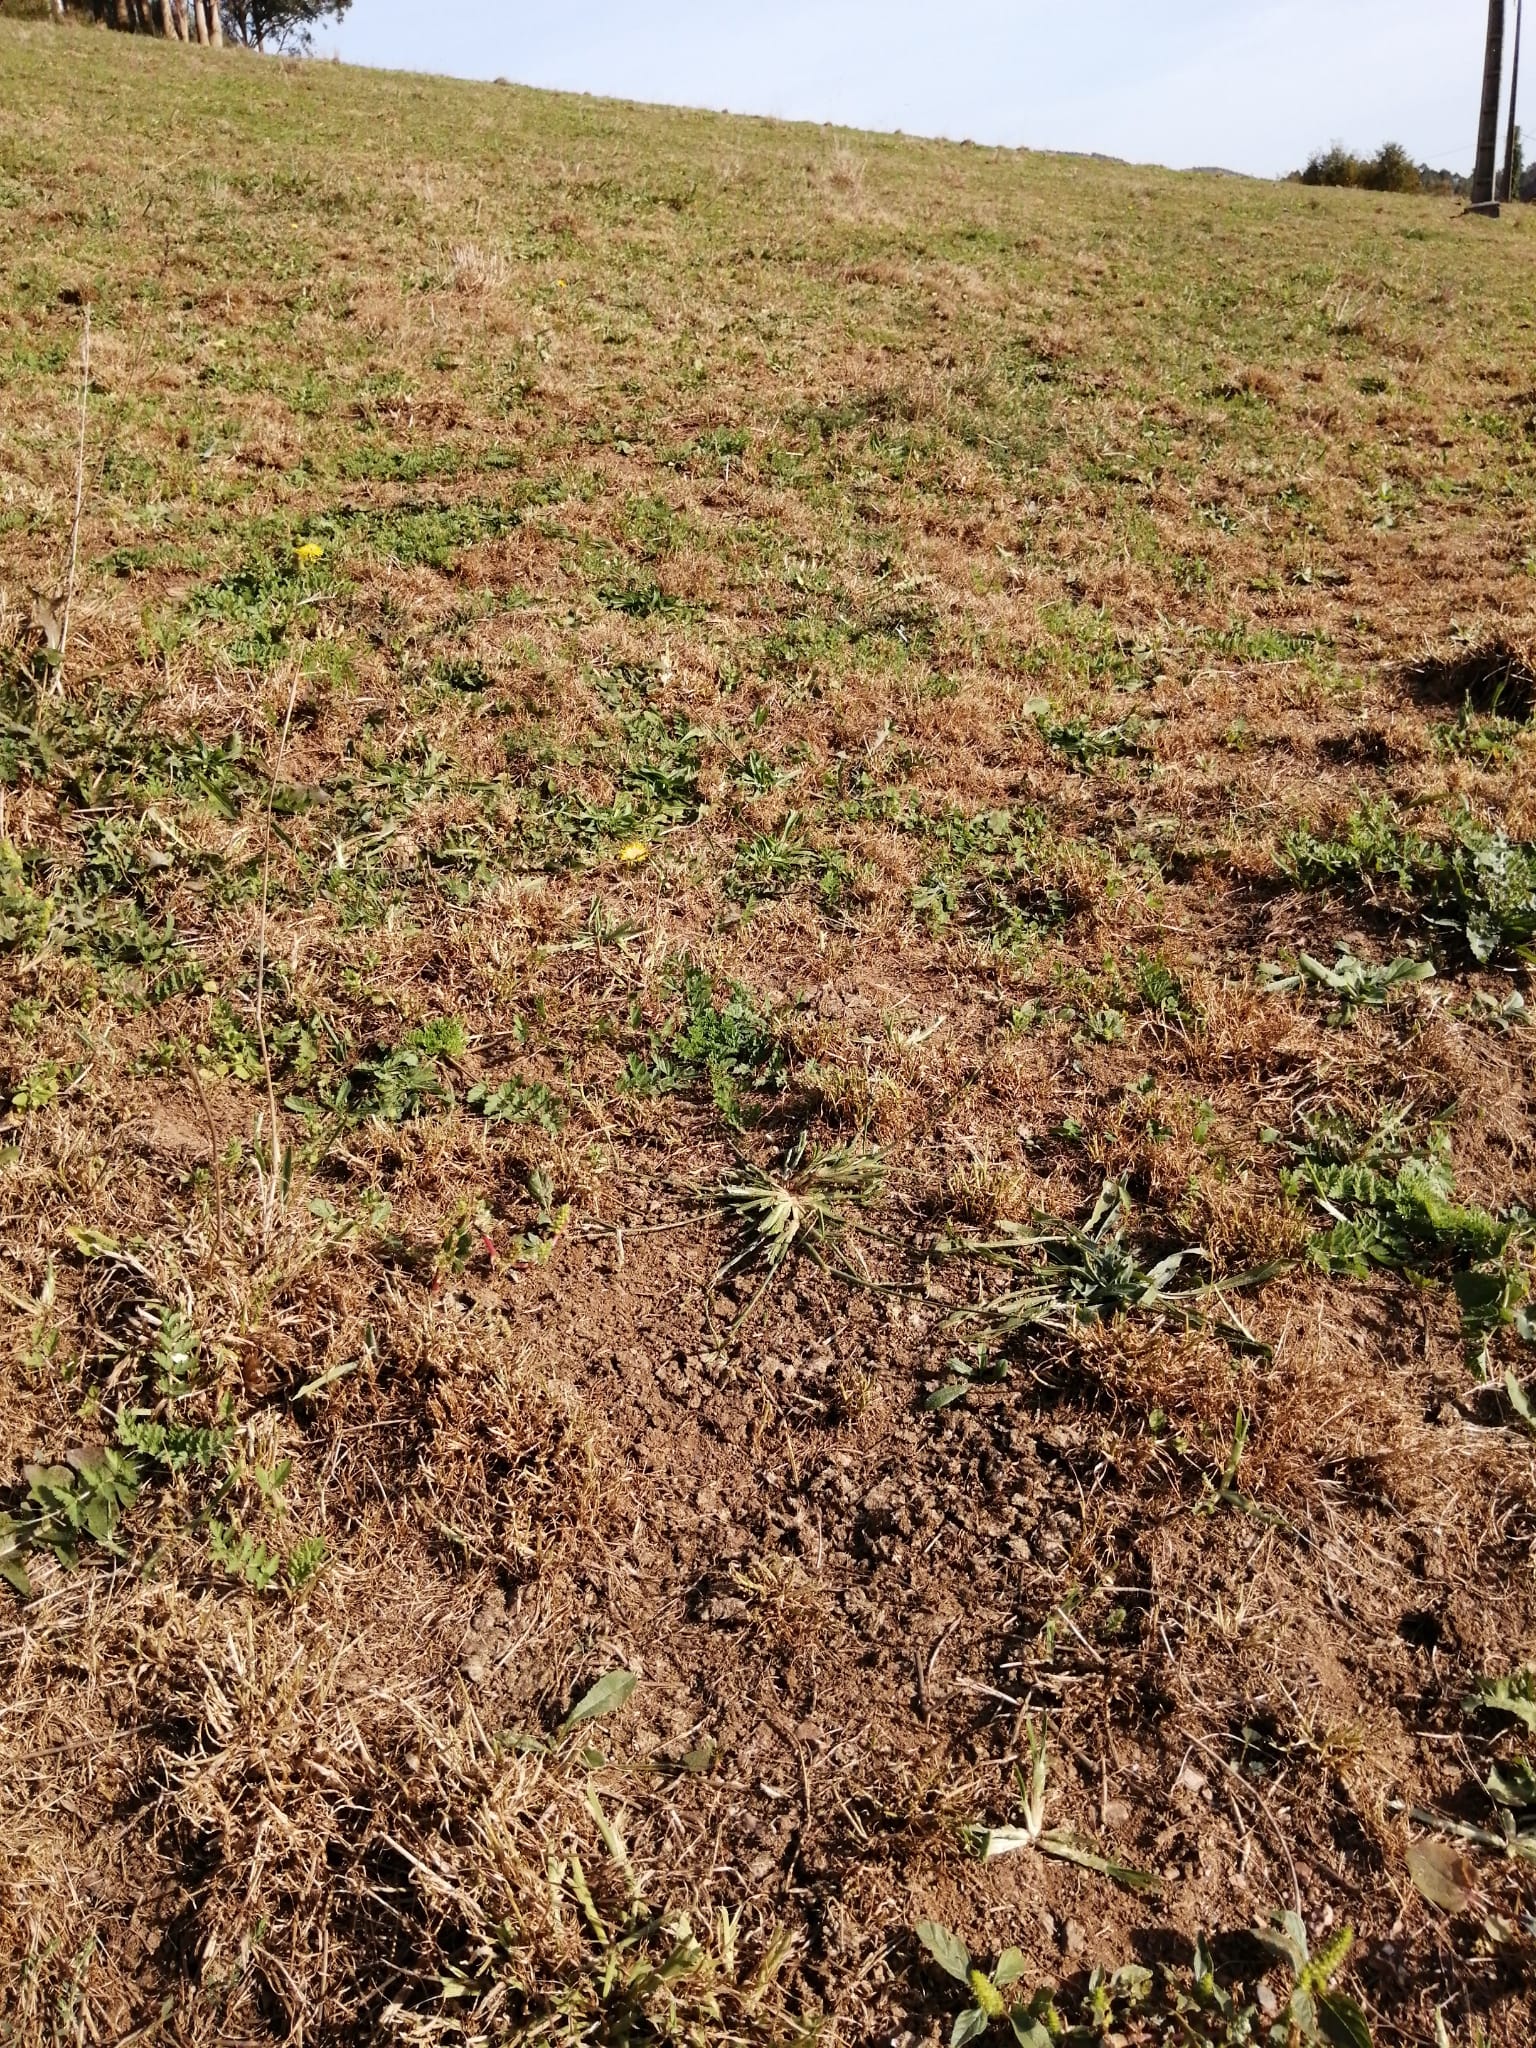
{"x":986,"y":879}
{"x":990,"y":1843}
{"x":1491,"y":741}
{"x":984,"y":1369}
{"x":1167,"y":2008}
{"x":395,"y":1083}
{"x":172,"y":1448}
{"x":1161,"y":993}
{"x":757,"y":776}
{"x":1513,"y":1695}
{"x":985,"y":1987}
{"x":660,"y":769}
{"x":771,"y":864}
{"x":605,"y":1696}
{"x":628,"y":1973}
{"x":245,"y":1558}
{"x":1480,"y":889}
{"x":1373,"y":848}
{"x":263,"y":607}
{"x":803,"y":1206}
{"x":516,"y":1102}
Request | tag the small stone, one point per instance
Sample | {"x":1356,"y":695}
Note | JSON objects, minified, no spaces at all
{"x":1077,"y":1940}
{"x":1116,"y":1813}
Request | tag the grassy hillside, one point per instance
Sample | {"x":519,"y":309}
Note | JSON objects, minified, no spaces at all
{"x":765,"y":911}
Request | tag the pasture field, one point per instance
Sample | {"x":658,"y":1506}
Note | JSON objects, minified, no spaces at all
{"x":766,"y":1128}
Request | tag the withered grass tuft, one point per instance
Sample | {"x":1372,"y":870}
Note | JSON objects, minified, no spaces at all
{"x":606,"y":644}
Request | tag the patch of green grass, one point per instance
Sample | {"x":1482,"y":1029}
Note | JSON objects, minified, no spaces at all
{"x":1085,"y":744}
{"x":770,"y":864}
{"x":727,"y":1043}
{"x":991,"y":878}
{"x":262,"y":611}
{"x":1373,"y":847}
{"x":1393,"y":1205}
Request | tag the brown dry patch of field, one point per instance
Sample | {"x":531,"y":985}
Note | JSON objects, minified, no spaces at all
{"x":619,"y":656}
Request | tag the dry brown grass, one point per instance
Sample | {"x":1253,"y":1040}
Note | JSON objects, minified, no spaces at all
{"x":740,"y":549}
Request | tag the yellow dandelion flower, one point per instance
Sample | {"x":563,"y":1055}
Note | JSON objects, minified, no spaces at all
{"x":633,"y":850}
{"x":309,"y":551}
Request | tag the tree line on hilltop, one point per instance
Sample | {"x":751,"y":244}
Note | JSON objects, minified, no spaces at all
{"x":261,"y":24}
{"x":1392,"y":169}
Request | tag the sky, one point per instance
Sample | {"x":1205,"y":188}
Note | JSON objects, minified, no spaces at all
{"x":1252,"y":85}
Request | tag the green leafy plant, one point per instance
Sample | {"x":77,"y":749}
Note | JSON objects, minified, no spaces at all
{"x":987,"y":878}
{"x":773,"y":863}
{"x":1513,"y":1694}
{"x":986,"y":1987}
{"x":1373,"y":847}
{"x":727,"y":1042}
{"x":660,"y":768}
{"x":1085,"y":745}
{"x":39,"y":1088}
{"x":1169,"y":2008}
{"x":1480,"y":888}
{"x":516,"y":1102}
{"x":394,"y":1083}
{"x":1484,"y":889}
{"x":1491,"y":741}
{"x":804,"y":1205}
{"x":173,"y":1447}
{"x":1161,"y":992}
{"x":1440,"y":1871}
{"x":1358,"y":984}
{"x":1063,"y":1274}
{"x":985,"y":1368}
{"x":627,"y":1972}
{"x":605,"y":1696}
{"x":757,"y":775}
{"x":85,"y":1497}
{"x":1395,"y":1207}
{"x":243,"y":1556}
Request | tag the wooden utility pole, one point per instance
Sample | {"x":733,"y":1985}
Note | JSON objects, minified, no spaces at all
{"x":1510,"y":175}
{"x":1488,"y":118}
